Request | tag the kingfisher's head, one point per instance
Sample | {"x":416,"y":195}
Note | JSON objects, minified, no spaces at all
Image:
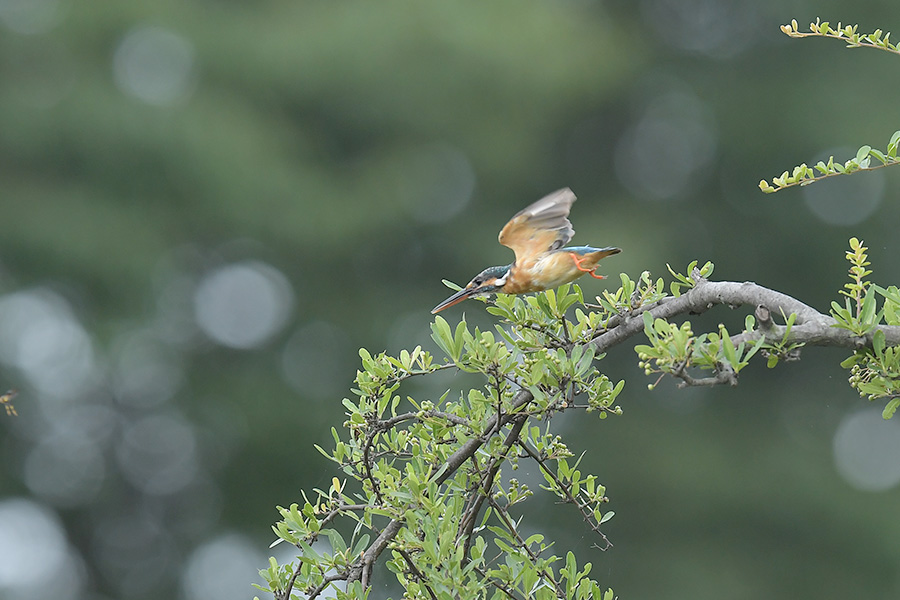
{"x":489,"y":281}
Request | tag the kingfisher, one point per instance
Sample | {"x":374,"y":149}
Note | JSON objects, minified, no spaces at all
{"x":537,"y":235}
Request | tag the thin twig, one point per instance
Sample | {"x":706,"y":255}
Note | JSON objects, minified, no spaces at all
{"x":417,"y":573}
{"x":361,"y":569}
{"x":511,"y":527}
{"x":467,"y":524}
{"x":570,"y":499}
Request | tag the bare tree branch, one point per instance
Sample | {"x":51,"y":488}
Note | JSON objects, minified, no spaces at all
{"x":485,"y":486}
{"x":417,"y":573}
{"x":724,"y":373}
{"x":362,"y":567}
{"x":811,"y":328}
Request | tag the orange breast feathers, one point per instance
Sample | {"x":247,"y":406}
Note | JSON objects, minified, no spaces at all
{"x":549,"y":270}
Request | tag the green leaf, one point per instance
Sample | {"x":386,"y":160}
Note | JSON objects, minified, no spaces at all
{"x":728,"y":349}
{"x":891,"y":293}
{"x":361,"y":544}
{"x":850,"y":361}
{"x":890,"y":408}
{"x":749,"y":323}
{"x":862,"y":153}
{"x":878,"y":343}
{"x":459,"y":339}
{"x":440,"y":333}
{"x":869,"y":307}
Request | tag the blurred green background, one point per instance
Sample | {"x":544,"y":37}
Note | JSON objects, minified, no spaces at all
{"x":206,"y":207}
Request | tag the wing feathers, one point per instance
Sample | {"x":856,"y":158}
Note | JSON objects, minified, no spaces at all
{"x":541,"y":227}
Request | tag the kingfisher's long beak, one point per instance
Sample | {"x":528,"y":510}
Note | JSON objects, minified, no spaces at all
{"x":456,"y":298}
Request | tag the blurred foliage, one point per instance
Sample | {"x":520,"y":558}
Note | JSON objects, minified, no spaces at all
{"x":365,"y":151}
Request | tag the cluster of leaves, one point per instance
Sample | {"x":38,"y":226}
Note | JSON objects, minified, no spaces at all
{"x":673,"y":348}
{"x":875,"y":370}
{"x":859,"y":313}
{"x":427,"y":481}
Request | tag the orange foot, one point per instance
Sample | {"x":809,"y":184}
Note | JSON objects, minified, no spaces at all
{"x":578,"y":266}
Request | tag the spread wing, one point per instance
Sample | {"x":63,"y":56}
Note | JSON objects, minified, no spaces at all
{"x":541,"y":227}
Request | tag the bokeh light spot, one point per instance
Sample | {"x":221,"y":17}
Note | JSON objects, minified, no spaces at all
{"x":30,"y":16}
{"x":158,"y":454}
{"x":714,"y":28}
{"x":866,"y":448}
{"x":845,"y":200}
{"x":440,"y":183}
{"x":40,"y":336}
{"x":222,"y":569}
{"x":146,"y":373}
{"x":243,"y":305}
{"x":65,"y":472}
{"x":155,"y":65}
{"x":35,"y":560}
{"x":662,"y":153}
{"x":135,"y":553}
{"x":316,"y":361}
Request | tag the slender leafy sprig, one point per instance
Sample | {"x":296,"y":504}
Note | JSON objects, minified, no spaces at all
{"x":859,"y":260}
{"x":803,"y":175}
{"x":849,"y":33}
{"x":875,"y":370}
{"x":685,"y":281}
{"x":782,"y":349}
{"x":859,"y":313}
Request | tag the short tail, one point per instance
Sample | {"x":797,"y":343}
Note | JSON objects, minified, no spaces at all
{"x":604,"y":252}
